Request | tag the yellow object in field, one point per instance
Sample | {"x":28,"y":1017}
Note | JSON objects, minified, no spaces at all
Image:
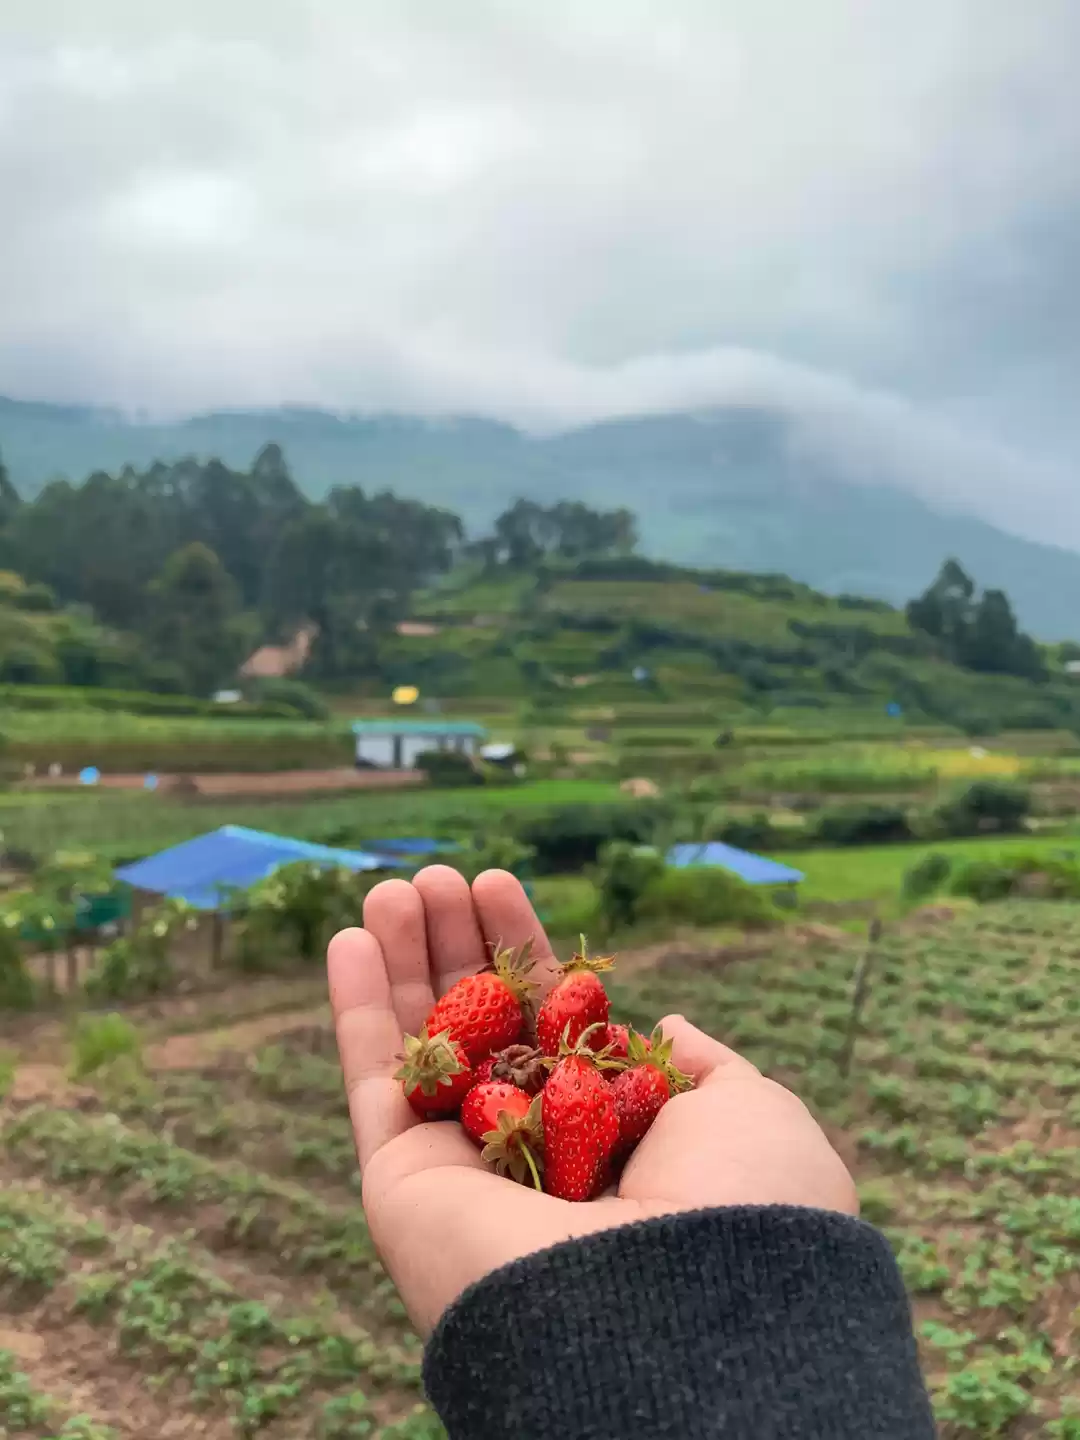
{"x":406,"y":695}
{"x":971,"y":763}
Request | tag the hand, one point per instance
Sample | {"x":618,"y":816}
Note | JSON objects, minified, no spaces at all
{"x":439,"y":1217}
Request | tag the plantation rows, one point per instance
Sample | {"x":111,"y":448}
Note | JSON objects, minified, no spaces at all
{"x":963,"y":1106}
{"x":163,"y":1308}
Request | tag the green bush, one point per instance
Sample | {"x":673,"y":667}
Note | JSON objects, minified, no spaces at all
{"x":925,"y":877}
{"x":569,"y":838}
{"x":448,"y":769}
{"x":862,"y":825}
{"x":624,"y":873}
{"x":984,"y":807}
{"x":749,"y":832}
{"x":288,"y":694}
{"x":99,"y":1040}
{"x":1037,"y":877}
{"x":705,"y":895}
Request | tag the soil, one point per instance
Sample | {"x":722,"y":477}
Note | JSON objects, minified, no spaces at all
{"x":274,"y":782}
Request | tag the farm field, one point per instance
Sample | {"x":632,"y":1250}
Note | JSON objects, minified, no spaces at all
{"x":120,"y":825}
{"x":201,"y":1225}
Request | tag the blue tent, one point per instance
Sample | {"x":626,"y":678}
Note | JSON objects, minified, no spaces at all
{"x":754,"y":869}
{"x":204,"y":870}
{"x":412,"y":846}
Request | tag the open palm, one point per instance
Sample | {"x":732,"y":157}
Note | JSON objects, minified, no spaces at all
{"x":439,"y":1217}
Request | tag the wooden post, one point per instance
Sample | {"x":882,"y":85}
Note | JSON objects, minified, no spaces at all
{"x":217,"y":940}
{"x":72,"y":966}
{"x":859,"y":993}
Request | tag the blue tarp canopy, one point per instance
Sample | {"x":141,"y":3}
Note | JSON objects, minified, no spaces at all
{"x":204,"y":870}
{"x":415,"y":846}
{"x":754,"y":869}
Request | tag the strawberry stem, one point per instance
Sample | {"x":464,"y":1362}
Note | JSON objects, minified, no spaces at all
{"x":531,"y":1164}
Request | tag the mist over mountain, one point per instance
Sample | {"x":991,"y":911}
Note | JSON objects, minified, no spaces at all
{"x":734,"y":488}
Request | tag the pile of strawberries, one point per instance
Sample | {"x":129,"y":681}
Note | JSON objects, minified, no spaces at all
{"x":556,"y":1097}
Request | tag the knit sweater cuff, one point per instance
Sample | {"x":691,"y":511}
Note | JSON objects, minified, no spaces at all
{"x":741,"y":1322}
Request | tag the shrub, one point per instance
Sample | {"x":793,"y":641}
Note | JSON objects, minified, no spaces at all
{"x":863,"y":825}
{"x":288,"y":694}
{"x":491,"y":852}
{"x":701,"y":895}
{"x":448,"y":768}
{"x":99,"y":1040}
{"x":984,"y":806}
{"x":293,"y":913}
{"x":1041,"y":877}
{"x":748,"y":832}
{"x":925,"y":877}
{"x":570,"y":837}
{"x":623,"y":875}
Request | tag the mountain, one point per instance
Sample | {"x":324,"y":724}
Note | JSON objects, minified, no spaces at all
{"x":729,"y":488}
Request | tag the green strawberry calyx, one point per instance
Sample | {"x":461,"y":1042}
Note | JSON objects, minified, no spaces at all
{"x":428,"y":1062}
{"x":515,"y":1146}
{"x":656,"y":1051}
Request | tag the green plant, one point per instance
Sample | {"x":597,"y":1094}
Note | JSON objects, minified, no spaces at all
{"x":622,"y":876}
{"x":449,"y":769}
{"x":924,"y":878}
{"x":863,"y":825}
{"x":131,"y":967}
{"x":99,"y":1041}
{"x":984,"y":807}
{"x":8,"y":1062}
{"x":705,"y":895}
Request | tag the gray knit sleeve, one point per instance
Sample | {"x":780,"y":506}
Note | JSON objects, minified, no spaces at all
{"x":745,"y":1323}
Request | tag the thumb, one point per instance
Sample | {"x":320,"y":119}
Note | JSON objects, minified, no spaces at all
{"x":699,"y":1055}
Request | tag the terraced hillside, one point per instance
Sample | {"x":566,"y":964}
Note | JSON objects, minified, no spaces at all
{"x":201,"y":1227}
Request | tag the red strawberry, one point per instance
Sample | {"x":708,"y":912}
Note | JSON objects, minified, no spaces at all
{"x":483,"y":1012}
{"x":581,"y":1128}
{"x":435,"y":1075}
{"x":618,"y":1038}
{"x":484,"y":1072}
{"x":577,"y":1002}
{"x":506,"y":1123}
{"x":642,"y":1091}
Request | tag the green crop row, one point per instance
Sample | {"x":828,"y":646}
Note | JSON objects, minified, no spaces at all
{"x":171,"y":1316}
{"x":242,"y":1210}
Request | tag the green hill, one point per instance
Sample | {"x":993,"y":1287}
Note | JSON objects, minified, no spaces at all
{"x":736,"y":488}
{"x":729,"y":645}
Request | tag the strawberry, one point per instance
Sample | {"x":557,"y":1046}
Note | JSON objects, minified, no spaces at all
{"x":577,"y":1003}
{"x":520,"y":1065}
{"x":581,"y":1127}
{"x":505,"y":1122}
{"x":641,"y":1091}
{"x":436,"y":1075}
{"x":618,"y":1038}
{"x":483,"y":1012}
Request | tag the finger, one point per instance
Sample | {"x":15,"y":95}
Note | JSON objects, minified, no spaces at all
{"x":699,"y":1055}
{"x":455,"y":942}
{"x":507,"y":918}
{"x":394,"y":914}
{"x":369,"y":1041}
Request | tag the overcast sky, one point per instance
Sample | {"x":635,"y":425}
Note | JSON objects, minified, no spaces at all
{"x":864,"y":212}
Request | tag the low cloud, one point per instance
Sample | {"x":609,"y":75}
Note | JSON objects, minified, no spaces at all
{"x":865,"y":217}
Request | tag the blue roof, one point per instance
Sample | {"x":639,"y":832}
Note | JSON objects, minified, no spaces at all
{"x":204,"y":870}
{"x":432,"y":726}
{"x":412,"y":846}
{"x":754,"y":869}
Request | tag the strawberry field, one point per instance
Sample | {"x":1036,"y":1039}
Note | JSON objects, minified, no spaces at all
{"x":182,"y":1252}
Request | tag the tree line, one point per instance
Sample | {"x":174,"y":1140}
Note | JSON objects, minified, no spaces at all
{"x":202,"y":562}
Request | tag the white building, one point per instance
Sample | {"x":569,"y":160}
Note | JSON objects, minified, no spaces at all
{"x":395,"y":744}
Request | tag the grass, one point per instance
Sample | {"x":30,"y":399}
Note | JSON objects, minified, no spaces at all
{"x":875,"y":872}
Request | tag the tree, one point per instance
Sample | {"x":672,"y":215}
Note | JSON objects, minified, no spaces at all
{"x":193,"y":617}
{"x":979,"y":634}
{"x":943,"y":610}
{"x":9,"y":497}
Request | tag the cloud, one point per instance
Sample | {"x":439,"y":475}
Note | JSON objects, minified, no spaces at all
{"x":865,"y":216}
